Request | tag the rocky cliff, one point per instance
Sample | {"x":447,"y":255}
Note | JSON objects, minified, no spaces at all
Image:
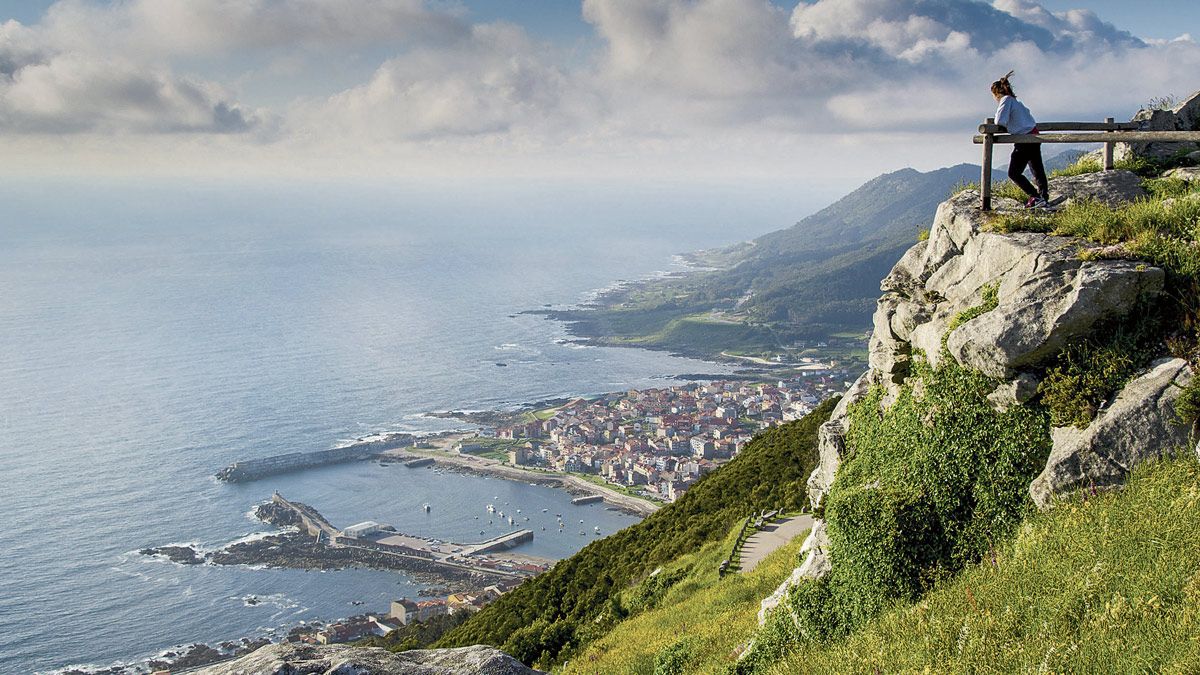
{"x":1008,"y":305}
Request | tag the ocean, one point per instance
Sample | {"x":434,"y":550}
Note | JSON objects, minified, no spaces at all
{"x":152,"y":333}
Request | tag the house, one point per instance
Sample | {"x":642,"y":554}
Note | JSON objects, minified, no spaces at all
{"x":403,"y":610}
{"x":427,"y":609}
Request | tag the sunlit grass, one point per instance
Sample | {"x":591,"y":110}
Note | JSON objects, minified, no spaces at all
{"x":1110,"y":583}
{"x":717,"y":615}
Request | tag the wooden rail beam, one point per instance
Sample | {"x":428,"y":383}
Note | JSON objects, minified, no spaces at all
{"x":1092,"y":137}
{"x":992,"y":128}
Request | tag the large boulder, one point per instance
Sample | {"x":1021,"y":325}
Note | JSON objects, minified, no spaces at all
{"x":1139,"y":425}
{"x":815,"y":554}
{"x":293,"y":659}
{"x":1111,"y":187}
{"x":1046,"y":293}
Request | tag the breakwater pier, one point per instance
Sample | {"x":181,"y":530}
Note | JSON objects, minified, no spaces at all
{"x":253,"y":469}
{"x":409,"y":551}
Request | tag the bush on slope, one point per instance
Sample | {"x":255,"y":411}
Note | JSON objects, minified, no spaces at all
{"x":547,"y":618}
{"x":1103,"y":583}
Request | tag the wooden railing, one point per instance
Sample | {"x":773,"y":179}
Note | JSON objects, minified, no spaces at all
{"x":1107,"y":132}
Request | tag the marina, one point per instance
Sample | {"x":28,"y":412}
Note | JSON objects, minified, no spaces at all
{"x":383,"y":538}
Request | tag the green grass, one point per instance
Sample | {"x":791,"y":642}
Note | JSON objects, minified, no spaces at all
{"x":1081,"y":166}
{"x":1110,"y":583}
{"x":990,"y":300}
{"x":1163,"y":230}
{"x":698,"y":625}
{"x":1009,"y":190}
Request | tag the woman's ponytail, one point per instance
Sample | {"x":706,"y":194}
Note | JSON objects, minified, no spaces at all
{"x":1002,"y":87}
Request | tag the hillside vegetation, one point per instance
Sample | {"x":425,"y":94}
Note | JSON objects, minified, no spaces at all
{"x":547,"y":619}
{"x":700,"y":623}
{"x":1103,"y":583}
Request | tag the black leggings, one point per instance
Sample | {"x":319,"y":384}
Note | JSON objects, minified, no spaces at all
{"x":1028,"y":155}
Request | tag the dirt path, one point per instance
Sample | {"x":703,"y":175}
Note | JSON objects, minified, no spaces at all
{"x":764,"y":542}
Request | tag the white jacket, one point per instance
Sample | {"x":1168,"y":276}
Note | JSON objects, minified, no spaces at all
{"x":1014,"y":116}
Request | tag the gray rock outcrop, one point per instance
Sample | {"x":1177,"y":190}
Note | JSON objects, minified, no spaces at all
{"x":1139,"y":425}
{"x":1046,"y":293}
{"x":831,"y":441}
{"x":294,"y":659}
{"x":1183,"y":117}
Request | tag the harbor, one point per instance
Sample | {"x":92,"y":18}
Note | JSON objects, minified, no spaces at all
{"x":421,"y":552}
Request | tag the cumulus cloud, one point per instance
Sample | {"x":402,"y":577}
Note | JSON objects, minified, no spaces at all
{"x":494,"y":80}
{"x":684,"y":77}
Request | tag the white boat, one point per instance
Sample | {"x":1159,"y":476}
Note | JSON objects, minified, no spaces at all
{"x":426,"y":507}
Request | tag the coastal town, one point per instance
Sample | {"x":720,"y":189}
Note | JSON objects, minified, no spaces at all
{"x":653,"y":443}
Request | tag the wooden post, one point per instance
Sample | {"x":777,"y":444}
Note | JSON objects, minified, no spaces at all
{"x":985,"y":175}
{"x":1108,"y":150}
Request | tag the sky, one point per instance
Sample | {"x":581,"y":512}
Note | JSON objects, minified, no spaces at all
{"x":827,"y":92}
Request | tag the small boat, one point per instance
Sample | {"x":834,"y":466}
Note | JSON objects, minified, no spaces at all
{"x":426,"y":507}
{"x":581,"y":521}
{"x":597,"y":529}
{"x":582,"y":533}
{"x":518,"y":510}
{"x":252,"y":601}
{"x":545,"y":510}
{"x":543,"y":528}
{"x":501,"y":364}
{"x":476,"y":517}
{"x":481,"y":532}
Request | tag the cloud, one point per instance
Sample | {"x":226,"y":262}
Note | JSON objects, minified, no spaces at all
{"x":688,"y":82}
{"x":495,"y":81}
{"x":214,"y":27}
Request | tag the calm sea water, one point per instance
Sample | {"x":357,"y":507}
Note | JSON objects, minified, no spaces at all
{"x":151,"y":334}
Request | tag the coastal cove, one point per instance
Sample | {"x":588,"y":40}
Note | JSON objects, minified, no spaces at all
{"x":135,"y":357}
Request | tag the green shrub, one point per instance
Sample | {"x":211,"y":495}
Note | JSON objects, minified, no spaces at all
{"x":930,"y":485}
{"x":1187,"y":406}
{"x":675,"y":660}
{"x":1089,"y":371}
{"x":923,"y":235}
{"x":651,"y":590}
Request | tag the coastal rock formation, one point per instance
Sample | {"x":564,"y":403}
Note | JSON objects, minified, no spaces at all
{"x":1001,"y":302}
{"x":293,"y":659}
{"x":1139,"y":425}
